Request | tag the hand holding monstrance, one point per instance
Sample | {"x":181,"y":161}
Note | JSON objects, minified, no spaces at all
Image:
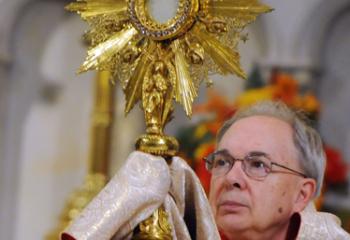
{"x":157,"y":63}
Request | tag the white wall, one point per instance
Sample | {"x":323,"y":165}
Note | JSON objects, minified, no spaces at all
{"x":54,"y":148}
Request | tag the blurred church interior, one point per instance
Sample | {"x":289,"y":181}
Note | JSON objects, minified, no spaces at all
{"x":46,"y":109}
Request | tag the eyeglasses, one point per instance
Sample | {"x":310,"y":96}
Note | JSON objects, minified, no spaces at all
{"x":256,"y":165}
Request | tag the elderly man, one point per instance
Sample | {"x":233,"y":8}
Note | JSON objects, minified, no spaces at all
{"x":268,"y":167}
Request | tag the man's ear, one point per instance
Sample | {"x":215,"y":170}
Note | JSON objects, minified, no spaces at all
{"x":307,"y":189}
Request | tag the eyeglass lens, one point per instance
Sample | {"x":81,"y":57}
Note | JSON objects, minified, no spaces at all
{"x":254,"y":166}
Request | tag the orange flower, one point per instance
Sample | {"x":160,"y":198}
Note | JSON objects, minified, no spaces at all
{"x":254,"y":95}
{"x":286,"y":88}
{"x":216,"y":104}
{"x":310,"y":103}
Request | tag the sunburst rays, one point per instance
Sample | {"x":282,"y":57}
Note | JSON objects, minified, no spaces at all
{"x":201,"y":38}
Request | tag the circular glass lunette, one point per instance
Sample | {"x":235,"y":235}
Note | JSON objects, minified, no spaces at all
{"x":146,"y":25}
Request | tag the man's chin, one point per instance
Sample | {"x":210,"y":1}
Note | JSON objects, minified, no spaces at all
{"x":231,"y":221}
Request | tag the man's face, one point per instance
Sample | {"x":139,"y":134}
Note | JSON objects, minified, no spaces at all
{"x":242,"y":204}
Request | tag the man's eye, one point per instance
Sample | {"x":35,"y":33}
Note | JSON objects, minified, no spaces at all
{"x":221,"y":163}
{"x":257,"y":164}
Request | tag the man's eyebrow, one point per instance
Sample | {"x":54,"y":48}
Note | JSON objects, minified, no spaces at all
{"x":258,"y":154}
{"x":223,"y":150}
{"x":255,"y":153}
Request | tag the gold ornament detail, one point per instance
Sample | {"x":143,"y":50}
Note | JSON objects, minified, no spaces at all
{"x":157,"y":63}
{"x":155,"y":227}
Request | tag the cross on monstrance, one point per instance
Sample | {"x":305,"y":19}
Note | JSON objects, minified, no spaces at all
{"x":161,"y":51}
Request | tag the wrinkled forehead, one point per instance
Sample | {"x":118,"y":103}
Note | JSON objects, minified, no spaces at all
{"x":260,"y":133}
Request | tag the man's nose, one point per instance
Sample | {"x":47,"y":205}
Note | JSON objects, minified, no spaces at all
{"x":236,"y":177}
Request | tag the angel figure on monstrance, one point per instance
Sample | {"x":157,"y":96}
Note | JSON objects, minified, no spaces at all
{"x":156,"y":195}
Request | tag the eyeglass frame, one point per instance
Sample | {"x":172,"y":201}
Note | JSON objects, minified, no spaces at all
{"x":243,"y":166}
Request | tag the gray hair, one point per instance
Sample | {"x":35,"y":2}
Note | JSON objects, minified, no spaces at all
{"x":306,"y":139}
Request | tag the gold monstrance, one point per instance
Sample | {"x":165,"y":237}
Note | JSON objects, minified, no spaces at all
{"x":157,"y":63}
